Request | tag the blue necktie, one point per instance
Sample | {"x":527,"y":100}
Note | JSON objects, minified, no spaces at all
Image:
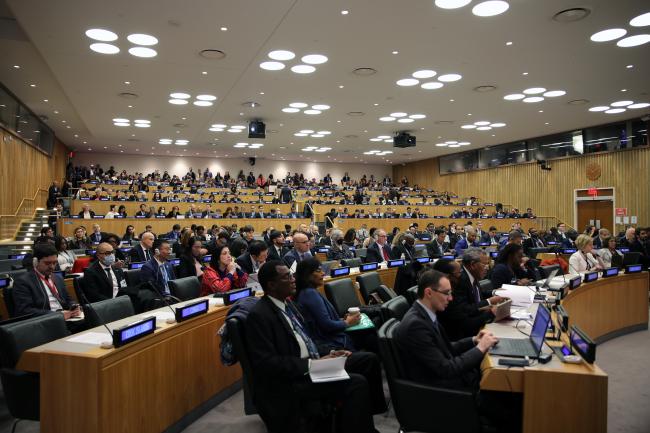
{"x":163,"y":271}
{"x":297,"y":326}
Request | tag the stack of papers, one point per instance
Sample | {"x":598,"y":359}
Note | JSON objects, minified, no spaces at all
{"x":328,"y":370}
{"x":95,"y":338}
{"x":521,"y":296}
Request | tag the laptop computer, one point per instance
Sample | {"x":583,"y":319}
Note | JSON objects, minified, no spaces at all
{"x":546,"y":284}
{"x":531,"y":346}
{"x":503,"y":310}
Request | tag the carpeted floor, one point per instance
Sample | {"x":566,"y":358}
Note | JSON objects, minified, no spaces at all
{"x":625,"y":359}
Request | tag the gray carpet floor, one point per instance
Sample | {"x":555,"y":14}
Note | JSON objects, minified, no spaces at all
{"x":625,"y":359}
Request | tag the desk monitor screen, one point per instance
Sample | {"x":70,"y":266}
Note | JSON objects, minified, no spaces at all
{"x":394,"y":263}
{"x":207,"y":258}
{"x":583,"y":344}
{"x":540,"y":325}
{"x":344,"y":270}
{"x":136,"y":265}
{"x":568,"y":250}
{"x":551,"y":243}
{"x":494,"y":254}
{"x":129,"y":333}
{"x":448,"y":257}
{"x":483,"y":244}
{"x":575,"y":282}
{"x":591,"y":276}
{"x":425,"y":238}
{"x":323,"y":249}
{"x":90,"y":252}
{"x":16,"y":256}
{"x":175,"y":262}
{"x":422,"y":260}
{"x":191,"y":310}
{"x":610,"y":272}
{"x":624,"y":249}
{"x":369,"y":266}
{"x":125,"y":249}
{"x":633,"y":269}
{"x":4,"y":282}
{"x":234,"y":295}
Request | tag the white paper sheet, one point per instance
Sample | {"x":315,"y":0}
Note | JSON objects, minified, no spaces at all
{"x":521,"y":296}
{"x":161,"y":315}
{"x":95,"y":338}
{"x":328,"y":370}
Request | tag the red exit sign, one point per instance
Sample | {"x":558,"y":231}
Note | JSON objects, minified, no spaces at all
{"x":592,"y":191}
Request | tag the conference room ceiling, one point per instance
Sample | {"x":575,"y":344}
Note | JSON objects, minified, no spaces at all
{"x":47,"y":57}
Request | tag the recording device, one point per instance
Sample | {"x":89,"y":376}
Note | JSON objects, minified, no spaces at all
{"x":256,"y":129}
{"x":566,"y":355}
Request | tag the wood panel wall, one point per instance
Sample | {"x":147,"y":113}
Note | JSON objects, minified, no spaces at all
{"x":549,"y":193}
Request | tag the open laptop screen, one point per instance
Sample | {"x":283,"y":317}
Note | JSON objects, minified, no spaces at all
{"x":540,"y":326}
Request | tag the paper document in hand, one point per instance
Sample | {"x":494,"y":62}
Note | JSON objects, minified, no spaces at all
{"x":95,"y":338}
{"x":521,"y":296}
{"x":328,"y":370}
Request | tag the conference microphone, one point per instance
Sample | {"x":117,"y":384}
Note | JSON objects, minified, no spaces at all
{"x":104,"y":344}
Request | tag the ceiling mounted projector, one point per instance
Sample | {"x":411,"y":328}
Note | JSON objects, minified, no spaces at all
{"x":256,"y":129}
{"x":404,"y":139}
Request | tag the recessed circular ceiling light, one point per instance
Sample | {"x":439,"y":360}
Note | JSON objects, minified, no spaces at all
{"x":490,"y":8}
{"x":608,"y":35}
{"x":104,"y":48}
{"x":314,"y":59}
{"x":621,"y":103}
{"x":320,"y":107}
{"x":312,"y":112}
{"x":325,"y":132}
{"x":454,"y":145}
{"x":215,"y":129}
{"x":383,"y":137}
{"x":417,"y":116}
{"x":386,"y":119}
{"x":303,"y":69}
{"x":142,"y":121}
{"x":483,"y":128}
{"x":206,"y":97}
{"x":554,"y":93}
{"x":290,"y":110}
{"x":202,"y":103}
{"x":178,"y":101}
{"x":633,"y":41}
{"x":376,"y":139}
{"x":122,"y":124}
{"x":600,"y":108}
{"x":298,"y":105}
{"x":272,"y":66}
{"x":306,"y":131}
{"x":390,"y":140}
{"x":448,"y":78}
{"x":142,"y":125}
{"x":482,"y":123}
{"x":142,"y":52}
{"x":234,"y":130}
{"x":468,"y":126}
{"x":451,"y":4}
{"x":451,"y":142}
{"x":497,"y":125}
{"x":641,"y":21}
{"x":534,"y":90}
{"x":300,"y":134}
{"x":281,"y":55}
{"x":406,"y":82}
{"x":219,"y":125}
{"x":533,"y":99}
{"x":398,"y":114}
{"x":431,"y":85}
{"x":179,"y":95}
{"x":615,"y":110}
{"x":181,"y":142}
{"x":639,"y":105}
{"x":317,"y":135}
{"x":101,"y":35}
{"x":424,"y":73}
{"x":119,"y":119}
{"x":464,"y":143}
{"x":441,"y":144}
{"x":406,"y":120}
{"x":142,"y":39}
{"x":514,"y":97}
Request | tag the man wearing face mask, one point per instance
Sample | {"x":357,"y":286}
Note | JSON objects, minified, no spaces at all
{"x":339,"y":250}
{"x":102,"y":280}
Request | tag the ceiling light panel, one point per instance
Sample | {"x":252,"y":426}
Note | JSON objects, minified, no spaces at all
{"x":296,"y":107}
{"x":617,"y":107}
{"x":142,"y":39}
{"x":181,"y":98}
{"x":306,"y":67}
{"x":490,"y":8}
{"x":426,"y":74}
{"x":534,"y":94}
{"x":402,"y":117}
{"x":101,"y":35}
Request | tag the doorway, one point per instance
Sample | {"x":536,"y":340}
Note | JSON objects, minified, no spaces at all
{"x":598,"y":212}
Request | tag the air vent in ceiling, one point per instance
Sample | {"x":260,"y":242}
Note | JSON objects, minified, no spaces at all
{"x":212,"y":54}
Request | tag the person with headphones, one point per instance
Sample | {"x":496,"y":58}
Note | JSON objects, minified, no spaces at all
{"x":158,"y":271}
{"x":39,"y":291}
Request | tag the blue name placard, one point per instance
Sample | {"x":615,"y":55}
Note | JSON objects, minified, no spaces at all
{"x":633,"y":269}
{"x":574,"y":283}
{"x":191,"y":310}
{"x":422,"y":260}
{"x":175,"y":262}
{"x":610,"y":272}
{"x":136,"y":265}
{"x":207,"y":258}
{"x":394,"y":263}
{"x":4,"y":282}
{"x":344,"y":270}
{"x":369,"y":267}
{"x":568,"y":250}
{"x":591,"y":276}
{"x":134,"y":331}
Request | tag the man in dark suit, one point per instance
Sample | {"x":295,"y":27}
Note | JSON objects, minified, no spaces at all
{"x":102,"y":281}
{"x":464,"y":316}
{"x":285,"y":194}
{"x":300,"y":250}
{"x":96,"y":235}
{"x":380,"y":250}
{"x":158,"y":271}
{"x":533,"y":241}
{"x":277,"y":250}
{"x":491,"y":236}
{"x":143,"y":252}
{"x":282,"y":353}
{"x":438,"y":247}
{"x":39,"y":291}
{"x":406,"y":247}
{"x":468,"y":241}
{"x":254,"y":258}
{"x":53,"y":194}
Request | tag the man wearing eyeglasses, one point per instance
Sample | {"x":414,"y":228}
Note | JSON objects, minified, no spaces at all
{"x":300,"y":250}
{"x":102,"y":280}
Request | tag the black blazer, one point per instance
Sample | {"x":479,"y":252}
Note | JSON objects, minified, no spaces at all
{"x":96,"y":284}
{"x":30,"y":296}
{"x":462,"y":318}
{"x":137,"y":254}
{"x":531,"y":243}
{"x":273,"y":253}
{"x":245,"y":262}
{"x":430,"y":358}
{"x":434,"y":251}
{"x":398,"y":250}
{"x":186,"y":268}
{"x":374,"y":255}
{"x":81,"y":214}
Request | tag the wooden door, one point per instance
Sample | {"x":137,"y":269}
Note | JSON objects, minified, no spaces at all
{"x":595,"y":212}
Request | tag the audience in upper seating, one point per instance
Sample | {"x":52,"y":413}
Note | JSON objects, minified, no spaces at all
{"x":86,"y":213}
{"x":223,"y":273}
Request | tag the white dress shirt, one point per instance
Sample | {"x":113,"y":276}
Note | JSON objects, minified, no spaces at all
{"x":304,"y":353}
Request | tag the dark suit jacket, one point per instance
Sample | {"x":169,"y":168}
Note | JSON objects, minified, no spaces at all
{"x":30,"y":296}
{"x":433,"y":250}
{"x":486,"y":238}
{"x":273,"y":253}
{"x":245,"y":262}
{"x":81,"y":214}
{"x":96,"y":284}
{"x":137,"y":254}
{"x":398,"y":250}
{"x":186,"y":268}
{"x":95,"y":238}
{"x":290,"y":257}
{"x":430,"y":358}
{"x":462,"y":318}
{"x":151,"y":273}
{"x":531,"y":243}
{"x":374,"y":255}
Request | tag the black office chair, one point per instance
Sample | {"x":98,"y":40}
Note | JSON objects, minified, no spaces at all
{"x":108,"y":310}
{"x":456,"y":411}
{"x":369,"y":283}
{"x":342,"y":294}
{"x":132,"y":277}
{"x":485,"y":285}
{"x":411,"y":295}
{"x":331,"y":264}
{"x":185,"y":288}
{"x":395,"y":308}
{"x":545,"y":271}
{"x":353,"y":263}
{"x":631,"y":258}
{"x":77,"y":284}
{"x":7,"y":294}
{"x":361,"y":253}
{"x":21,"y":388}
{"x":237,"y":335}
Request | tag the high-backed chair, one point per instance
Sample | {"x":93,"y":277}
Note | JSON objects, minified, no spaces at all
{"x":361,"y":253}
{"x":342,"y":294}
{"x":108,"y":310}
{"x":21,"y":388}
{"x":369,"y":283}
{"x":395,"y":308}
{"x":353,"y":263}
{"x":185,"y":288}
{"x":485,"y":285}
{"x":455,"y":411}
{"x":411,"y":294}
{"x":132,"y":277}
{"x":237,"y":335}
